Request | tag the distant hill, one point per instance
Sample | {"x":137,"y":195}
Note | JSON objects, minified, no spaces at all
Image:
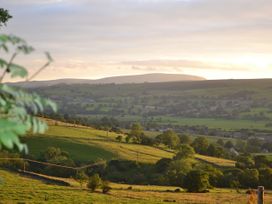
{"x":132,"y":79}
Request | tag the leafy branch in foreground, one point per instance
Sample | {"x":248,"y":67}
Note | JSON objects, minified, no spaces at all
{"x":4,"y":16}
{"x":18,"y":107}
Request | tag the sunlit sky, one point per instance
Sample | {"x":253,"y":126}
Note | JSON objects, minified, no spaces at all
{"x":215,"y":39}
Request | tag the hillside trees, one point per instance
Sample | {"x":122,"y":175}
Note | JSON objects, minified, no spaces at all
{"x":168,"y":138}
{"x":197,"y":181}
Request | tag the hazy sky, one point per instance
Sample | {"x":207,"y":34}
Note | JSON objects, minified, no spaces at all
{"x":98,"y":38}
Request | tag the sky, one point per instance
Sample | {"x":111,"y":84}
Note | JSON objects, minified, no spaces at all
{"x":215,"y":39}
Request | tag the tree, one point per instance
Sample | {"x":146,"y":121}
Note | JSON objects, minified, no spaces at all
{"x":81,"y":177}
{"x":200,"y":145}
{"x":94,"y":182}
{"x":244,"y":162}
{"x":177,"y":171}
{"x":185,"y":151}
{"x":197,"y":181}
{"x":215,"y":150}
{"x":127,"y":139}
{"x":163,"y":164}
{"x":266,"y":177}
{"x":185,"y":139}
{"x":229,"y":144}
{"x":169,"y":138}
{"x":119,"y":138}
{"x":136,"y":132}
{"x":249,"y":178}
{"x":261,"y":161}
{"x":105,"y":185}
{"x":220,"y":142}
{"x":18,"y":107}
{"x":4,"y":16}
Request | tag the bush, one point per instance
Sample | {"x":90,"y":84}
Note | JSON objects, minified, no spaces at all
{"x":105,"y":187}
{"x":94,"y":182}
{"x":81,"y":177}
{"x":197,"y":181}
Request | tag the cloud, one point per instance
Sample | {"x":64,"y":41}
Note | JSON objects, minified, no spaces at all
{"x":135,"y":31}
{"x":151,"y":64}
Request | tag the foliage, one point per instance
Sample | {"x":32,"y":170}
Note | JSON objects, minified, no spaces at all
{"x":197,"y":181}
{"x":105,"y":187}
{"x":119,"y":138}
{"x":185,"y":151}
{"x":177,"y":171}
{"x":200,"y":144}
{"x":18,"y":107}
{"x":94,"y":182}
{"x":4,"y":16}
{"x":185,"y":139}
{"x":81,"y":177}
{"x":136,"y":132}
{"x":169,"y":138}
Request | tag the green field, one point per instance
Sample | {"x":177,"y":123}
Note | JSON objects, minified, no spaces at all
{"x":225,"y":124}
{"x":87,"y":144}
{"x":18,"y":189}
{"x":225,"y":104}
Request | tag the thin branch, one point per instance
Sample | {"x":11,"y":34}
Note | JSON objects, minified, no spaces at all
{"x":8,"y":66}
{"x":36,"y":73}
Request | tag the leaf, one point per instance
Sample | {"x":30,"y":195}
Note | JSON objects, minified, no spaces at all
{"x":3,"y":63}
{"x":4,"y":38}
{"x":17,"y":70}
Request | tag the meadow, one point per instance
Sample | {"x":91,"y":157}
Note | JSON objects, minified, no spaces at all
{"x":225,"y":104}
{"x":87,"y":144}
{"x":19,"y":189}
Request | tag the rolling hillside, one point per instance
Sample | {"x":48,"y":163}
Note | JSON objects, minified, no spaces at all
{"x":86,"y":144}
{"x":220,"y":104}
{"x":16,"y":188}
{"x":132,"y":79}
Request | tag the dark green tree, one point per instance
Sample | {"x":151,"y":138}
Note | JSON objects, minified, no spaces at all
{"x":197,"y":181}
{"x":4,"y":16}
{"x":169,"y":138}
{"x":200,"y":145}
{"x":119,"y":138}
{"x":185,"y":139}
{"x":185,"y":151}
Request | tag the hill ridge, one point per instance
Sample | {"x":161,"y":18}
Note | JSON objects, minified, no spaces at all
{"x":127,"y":79}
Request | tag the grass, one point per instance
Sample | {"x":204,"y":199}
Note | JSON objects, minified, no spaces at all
{"x":87,"y":144}
{"x":216,"y":161}
{"x":18,"y":189}
{"x":226,"y":124}
{"x":77,"y":151}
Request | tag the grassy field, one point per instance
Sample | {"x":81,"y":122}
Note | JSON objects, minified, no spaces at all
{"x":215,"y":123}
{"x":18,"y":189}
{"x":216,"y":161}
{"x":211,"y":103}
{"x":87,"y":144}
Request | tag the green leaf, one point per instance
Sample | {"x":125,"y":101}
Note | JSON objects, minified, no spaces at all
{"x":17,"y":70}
{"x":3,"y":63}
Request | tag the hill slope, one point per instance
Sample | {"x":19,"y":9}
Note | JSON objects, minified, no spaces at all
{"x":226,"y":104}
{"x":19,"y":189}
{"x":87,"y":144}
{"x":145,"y":78}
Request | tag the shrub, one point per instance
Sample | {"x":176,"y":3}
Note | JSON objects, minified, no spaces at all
{"x":105,"y":187}
{"x":81,"y":177}
{"x":94,"y":182}
{"x":197,"y":181}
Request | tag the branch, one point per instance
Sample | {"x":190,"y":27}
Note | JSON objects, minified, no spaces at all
{"x":8,"y":66}
{"x":36,"y":73}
